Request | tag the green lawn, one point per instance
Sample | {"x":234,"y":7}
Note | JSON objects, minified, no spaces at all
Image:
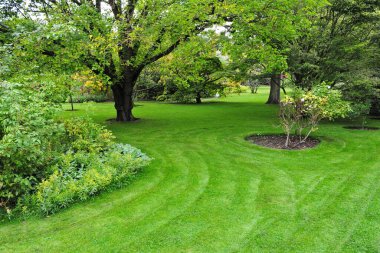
{"x":208,"y":190}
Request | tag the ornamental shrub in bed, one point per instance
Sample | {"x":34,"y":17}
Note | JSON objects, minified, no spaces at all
{"x":46,"y":163}
{"x":303,"y":111}
{"x":80,"y":175}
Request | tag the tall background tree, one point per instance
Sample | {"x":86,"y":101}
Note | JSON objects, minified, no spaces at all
{"x":338,"y":44}
{"x":195,"y":71}
{"x":340,"y":48}
{"x":260,"y":34}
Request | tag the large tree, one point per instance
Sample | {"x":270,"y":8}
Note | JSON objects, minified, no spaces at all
{"x":147,"y":31}
{"x":194,"y":70}
{"x":141,"y":32}
{"x":341,"y":48}
{"x":338,"y":46}
{"x":260,"y":35}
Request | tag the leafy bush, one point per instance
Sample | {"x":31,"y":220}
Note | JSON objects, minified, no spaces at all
{"x":82,"y":98}
{"x":360,"y":110}
{"x":29,"y":141}
{"x":79,"y":176}
{"x":180,"y":96}
{"x":253,"y":85}
{"x":83,"y":135}
{"x":46,"y":163}
{"x":304,"y":110}
{"x":236,"y":87}
{"x":362,"y":94}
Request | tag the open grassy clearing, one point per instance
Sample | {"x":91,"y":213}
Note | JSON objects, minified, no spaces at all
{"x":209,"y":190}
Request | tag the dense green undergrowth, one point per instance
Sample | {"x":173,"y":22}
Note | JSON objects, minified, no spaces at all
{"x":47,"y":163}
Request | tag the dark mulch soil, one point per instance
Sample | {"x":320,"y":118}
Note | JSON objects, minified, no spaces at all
{"x":362,"y":128}
{"x":278,"y":142}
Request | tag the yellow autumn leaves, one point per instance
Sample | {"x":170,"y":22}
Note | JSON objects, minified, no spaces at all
{"x":90,"y":81}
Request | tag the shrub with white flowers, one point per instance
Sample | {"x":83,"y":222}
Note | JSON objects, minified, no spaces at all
{"x":303,"y":111}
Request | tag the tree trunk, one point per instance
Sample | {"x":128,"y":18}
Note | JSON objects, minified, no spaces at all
{"x":198,"y":98}
{"x":275,"y":88}
{"x":123,"y":96}
{"x":71,"y":102}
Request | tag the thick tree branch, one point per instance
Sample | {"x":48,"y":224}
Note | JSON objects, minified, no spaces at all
{"x":158,"y":41}
{"x":214,"y":80}
{"x":98,"y":5}
{"x":130,"y":9}
{"x":79,"y":3}
{"x":116,"y":9}
{"x":4,"y":28}
{"x":49,"y":53}
{"x":200,"y":27}
{"x":165,"y":52}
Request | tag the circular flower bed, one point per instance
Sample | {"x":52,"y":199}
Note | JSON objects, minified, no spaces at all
{"x":278,"y":142}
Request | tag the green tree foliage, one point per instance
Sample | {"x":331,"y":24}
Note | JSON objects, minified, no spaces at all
{"x":120,"y":38}
{"x":149,"y":85}
{"x":40,"y":52}
{"x":260,"y":33}
{"x":360,"y":93}
{"x":195,"y":71}
{"x":339,"y":45}
{"x":140,"y":33}
{"x":9,"y":8}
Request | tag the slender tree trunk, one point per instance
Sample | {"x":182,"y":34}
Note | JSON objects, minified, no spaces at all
{"x":275,"y":88}
{"x":287,"y":139}
{"x":198,"y":98}
{"x":71,"y":102}
{"x":364,"y":121}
